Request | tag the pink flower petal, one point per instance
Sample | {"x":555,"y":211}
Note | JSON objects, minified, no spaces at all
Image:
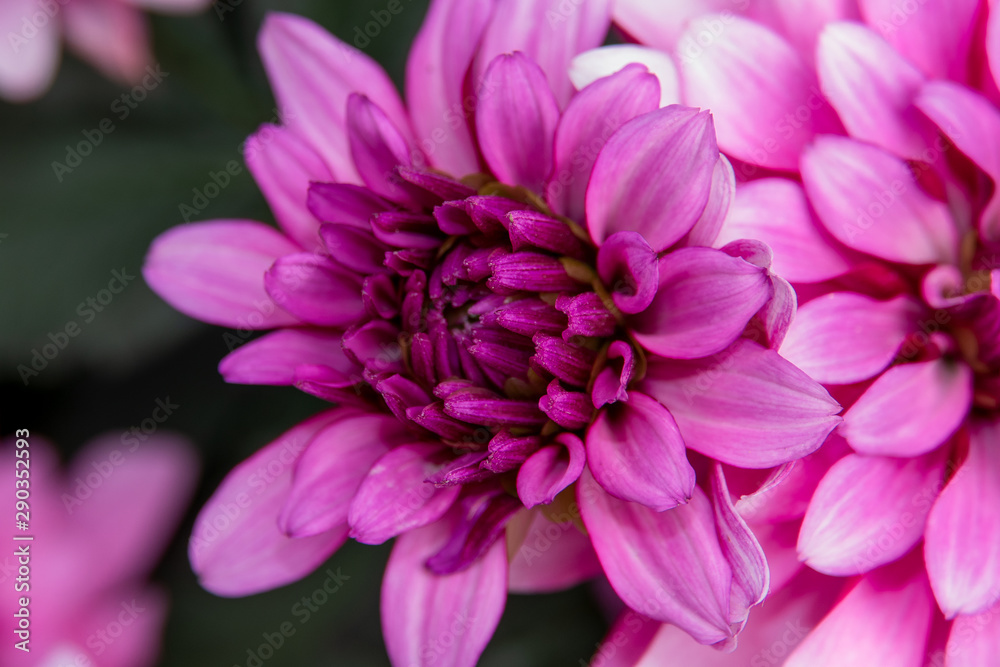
{"x":753,"y":485}
{"x":993,"y":45}
{"x":272,"y":359}
{"x":751,"y":578}
{"x":315,"y":289}
{"x":435,"y":77}
{"x":516,"y":119}
{"x":430,"y":619}
{"x":549,"y":32}
{"x":284,"y":165}
{"x":843,"y":337}
{"x":883,"y":621}
{"x":654,"y":176}
{"x":378,"y":148}
{"x":661,"y":25}
{"x":785,"y":497}
{"x":962,"y":542}
{"x":752,"y":251}
{"x":636,"y":453}
{"x":778,"y":542}
{"x":345,"y":204}
{"x":359,"y":251}
{"x":236,"y":548}
{"x":214,"y":271}
{"x":747,"y":406}
{"x":554,"y":554}
{"x":330,"y":385}
{"x":550,"y":470}
{"x":590,"y":119}
{"x":144,"y":488}
{"x":801,"y":28}
{"x":779,"y":312}
{"x":776,"y":212}
{"x":910,"y":409}
{"x":484,"y":517}
{"x":396,"y":497}
{"x":707,"y":229}
{"x":27,"y":65}
{"x":934,"y":34}
{"x":666,"y":565}
{"x":943,"y":288}
{"x":627,"y":263}
{"x":611,"y":384}
{"x":312,"y":74}
{"x":972,"y":123}
{"x":375,"y":344}
{"x":872,"y":88}
{"x":868,"y":511}
{"x":974,"y":641}
{"x":773,"y":630}
{"x":747,"y":65}
{"x":868,"y":200}
{"x":604,"y":61}
{"x":138,"y":644}
{"x":704,"y":302}
{"x":331,"y":469}
{"x":111,"y":35}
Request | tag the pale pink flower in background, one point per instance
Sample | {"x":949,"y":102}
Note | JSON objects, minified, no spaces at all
{"x":507,"y":289}
{"x":870,"y":133}
{"x":113,"y":35}
{"x":99,"y":527}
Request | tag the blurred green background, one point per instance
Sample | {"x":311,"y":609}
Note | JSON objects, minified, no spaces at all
{"x":60,"y":241}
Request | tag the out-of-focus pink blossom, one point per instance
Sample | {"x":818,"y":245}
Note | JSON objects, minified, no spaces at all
{"x":111,"y":34}
{"x":98,"y":528}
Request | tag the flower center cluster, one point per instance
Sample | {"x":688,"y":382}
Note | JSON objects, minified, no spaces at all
{"x":506,"y":337}
{"x":963,"y":323}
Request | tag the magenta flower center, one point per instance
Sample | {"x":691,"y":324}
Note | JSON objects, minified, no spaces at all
{"x":498,"y":333}
{"x":962,"y":322}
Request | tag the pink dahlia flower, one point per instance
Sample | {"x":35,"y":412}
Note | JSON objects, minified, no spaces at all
{"x":98,"y":529}
{"x":507,"y":289}
{"x":887,"y":219}
{"x":112,"y":34}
